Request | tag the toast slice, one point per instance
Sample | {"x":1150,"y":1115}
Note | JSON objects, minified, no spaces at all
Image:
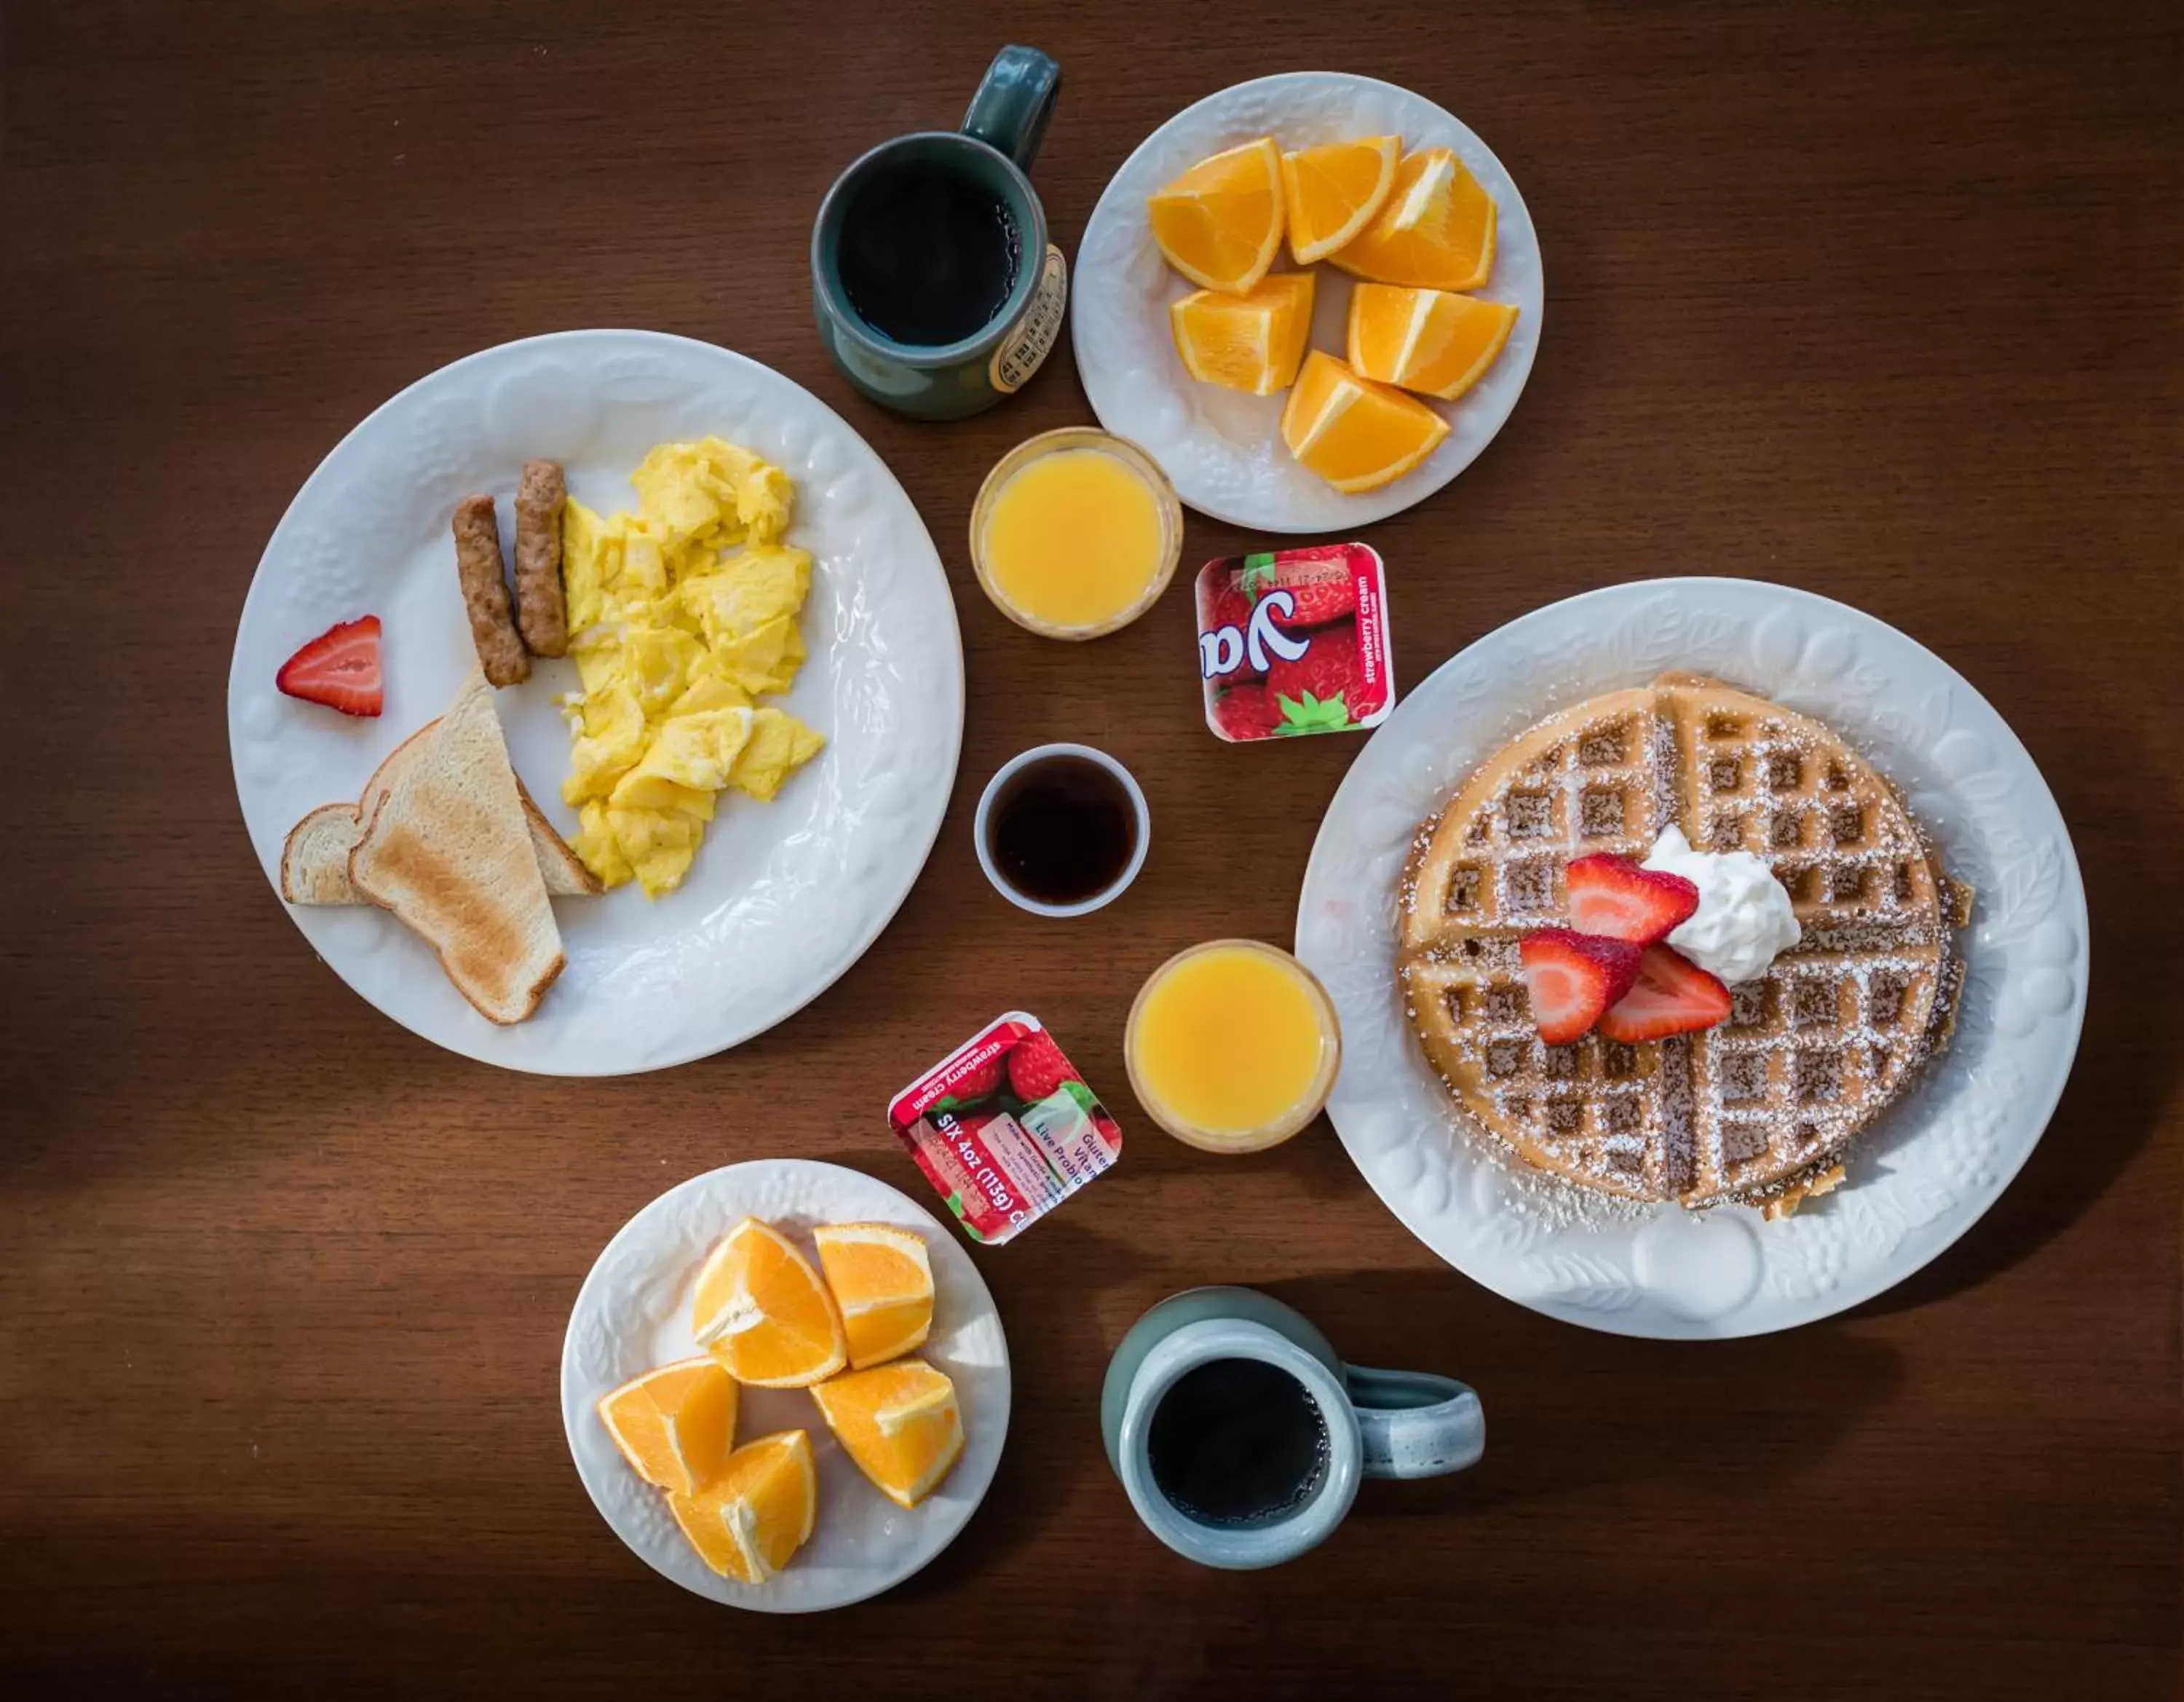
{"x":315,"y":862}
{"x":445,"y":848}
{"x":565,"y":872}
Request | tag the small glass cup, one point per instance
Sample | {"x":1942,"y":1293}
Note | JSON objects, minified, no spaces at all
{"x":1309,"y":1105}
{"x":982,"y":829}
{"x":1132,"y":457}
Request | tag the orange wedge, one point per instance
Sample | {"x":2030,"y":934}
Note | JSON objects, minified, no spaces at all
{"x":1425,"y":340}
{"x":1251,"y":342}
{"x":1329,"y":194}
{"x":762,"y":1310}
{"x":881,"y":1280}
{"x":1356,"y":434}
{"x":750,"y":1520}
{"x":901,"y":1424}
{"x":1436,"y":231}
{"x":1220,"y":224}
{"x":674,"y":1425}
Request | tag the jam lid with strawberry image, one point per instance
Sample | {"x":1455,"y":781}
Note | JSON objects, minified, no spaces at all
{"x":1294,"y":642}
{"x":1005,"y":1128}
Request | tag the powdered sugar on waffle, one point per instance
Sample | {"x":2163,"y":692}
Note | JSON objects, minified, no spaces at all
{"x":1812,"y":1050}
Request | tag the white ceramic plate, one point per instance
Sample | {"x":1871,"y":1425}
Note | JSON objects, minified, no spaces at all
{"x":1935,"y":1161}
{"x":634,"y":1313}
{"x":1221,"y":449}
{"x":784,"y":896}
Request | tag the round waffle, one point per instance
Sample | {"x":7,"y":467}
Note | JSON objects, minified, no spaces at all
{"x":1761,"y":1108}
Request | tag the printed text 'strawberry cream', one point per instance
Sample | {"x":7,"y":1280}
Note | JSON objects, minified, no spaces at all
{"x":1294,"y":642}
{"x":1005,"y":1128}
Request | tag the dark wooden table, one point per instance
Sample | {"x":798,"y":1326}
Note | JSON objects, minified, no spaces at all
{"x":1878,"y":300}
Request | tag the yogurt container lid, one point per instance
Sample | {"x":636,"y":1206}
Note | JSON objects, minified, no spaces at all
{"x":1294,"y":642}
{"x":1005,"y":1128}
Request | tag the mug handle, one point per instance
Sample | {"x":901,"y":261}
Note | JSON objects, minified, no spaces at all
{"x":1413,"y":1424}
{"x":1015,"y":99}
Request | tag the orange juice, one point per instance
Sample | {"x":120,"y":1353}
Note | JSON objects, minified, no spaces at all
{"x":1232,"y":1046}
{"x":1075,"y":534}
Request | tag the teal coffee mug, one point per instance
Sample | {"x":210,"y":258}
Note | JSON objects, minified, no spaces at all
{"x":936,"y":289}
{"x":1240,"y":1437}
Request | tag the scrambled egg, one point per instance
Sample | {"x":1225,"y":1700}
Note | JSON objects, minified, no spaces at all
{"x":683,"y":616}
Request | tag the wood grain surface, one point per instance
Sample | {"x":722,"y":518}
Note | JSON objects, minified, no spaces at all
{"x":1881,"y":301}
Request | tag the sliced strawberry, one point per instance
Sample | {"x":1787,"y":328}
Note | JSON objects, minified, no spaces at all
{"x":339,"y":668}
{"x":1573,"y":978}
{"x":1614,"y":896}
{"x":1672,"y":995}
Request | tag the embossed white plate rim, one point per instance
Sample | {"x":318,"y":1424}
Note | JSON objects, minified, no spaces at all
{"x":1300,"y":504}
{"x":930,"y":723}
{"x":1908,"y":1135}
{"x":938,"y":1520}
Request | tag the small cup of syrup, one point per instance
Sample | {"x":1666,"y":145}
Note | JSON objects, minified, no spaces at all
{"x":1062,"y":830}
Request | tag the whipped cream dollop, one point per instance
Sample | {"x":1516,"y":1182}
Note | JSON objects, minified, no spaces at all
{"x":1744,"y":916}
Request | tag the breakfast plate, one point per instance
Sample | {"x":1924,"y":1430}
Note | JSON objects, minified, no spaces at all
{"x":782,"y":897}
{"x":1936,"y":1160}
{"x":1221,"y":448}
{"x":634,"y":1313}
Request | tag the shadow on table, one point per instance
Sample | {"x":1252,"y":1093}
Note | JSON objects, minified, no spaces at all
{"x":2127,"y":1070}
{"x":1057,"y":1357}
{"x":1313,"y":1157}
{"x":1572,"y":1411}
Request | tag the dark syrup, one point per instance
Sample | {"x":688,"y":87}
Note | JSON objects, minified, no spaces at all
{"x":1062,"y":829}
{"x":927,"y":256}
{"x":1237,"y":1442}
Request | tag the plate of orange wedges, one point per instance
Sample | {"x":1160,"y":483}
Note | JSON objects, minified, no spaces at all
{"x":1313,"y":299}
{"x":785,"y":1386}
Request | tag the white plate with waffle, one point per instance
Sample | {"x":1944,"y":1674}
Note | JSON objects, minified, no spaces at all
{"x":1931,"y":1163}
{"x":1221,"y":449}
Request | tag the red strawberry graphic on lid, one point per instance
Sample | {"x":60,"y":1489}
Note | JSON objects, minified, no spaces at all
{"x":1036,"y":1067}
{"x":1247,"y":712}
{"x":1321,"y":588}
{"x":1294,"y":642}
{"x":1312,"y":693}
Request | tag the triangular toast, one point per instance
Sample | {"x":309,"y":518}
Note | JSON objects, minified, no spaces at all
{"x":314,"y":861}
{"x":446,"y":847}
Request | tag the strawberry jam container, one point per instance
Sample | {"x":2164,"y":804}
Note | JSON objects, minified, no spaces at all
{"x":1005,"y":1128}
{"x":1294,"y":642}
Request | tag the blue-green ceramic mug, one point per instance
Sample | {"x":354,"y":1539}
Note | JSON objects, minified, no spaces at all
{"x":1370,"y":1424}
{"x":936,"y":289}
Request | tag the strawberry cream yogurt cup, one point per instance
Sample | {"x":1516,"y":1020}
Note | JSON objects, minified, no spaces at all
{"x":1005,"y":1128}
{"x":1294,"y":642}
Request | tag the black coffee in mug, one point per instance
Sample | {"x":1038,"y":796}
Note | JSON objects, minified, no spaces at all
{"x":928,"y":256}
{"x":1237,"y":1441}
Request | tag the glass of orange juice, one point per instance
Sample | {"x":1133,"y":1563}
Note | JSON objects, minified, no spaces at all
{"x":1232,"y":1046}
{"x":1075,"y":533}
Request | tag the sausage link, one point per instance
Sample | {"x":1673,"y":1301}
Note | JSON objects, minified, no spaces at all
{"x":541,"y":609}
{"x":484,"y":595}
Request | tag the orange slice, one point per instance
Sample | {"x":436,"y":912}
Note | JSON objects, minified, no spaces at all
{"x":674,"y":1425}
{"x":1329,"y":194}
{"x":1251,"y":342}
{"x":901,"y":1424}
{"x":750,"y":1520}
{"x":1356,"y":434}
{"x":762,"y":1310}
{"x":1220,"y":223}
{"x":1436,"y":231}
{"x":1425,"y":340}
{"x":881,"y":1280}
